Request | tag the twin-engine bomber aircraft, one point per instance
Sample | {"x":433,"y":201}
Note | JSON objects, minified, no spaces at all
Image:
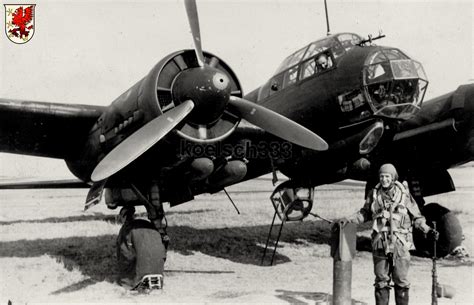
{"x":186,"y":129}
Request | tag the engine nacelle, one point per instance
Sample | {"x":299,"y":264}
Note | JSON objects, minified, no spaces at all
{"x":149,"y":98}
{"x":116,"y":197}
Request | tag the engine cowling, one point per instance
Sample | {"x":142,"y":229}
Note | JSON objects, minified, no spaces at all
{"x":154,"y":95}
{"x":175,"y":78}
{"x":115,"y":197}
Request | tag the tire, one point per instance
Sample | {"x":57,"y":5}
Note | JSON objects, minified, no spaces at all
{"x":140,"y":250}
{"x":448,"y":226}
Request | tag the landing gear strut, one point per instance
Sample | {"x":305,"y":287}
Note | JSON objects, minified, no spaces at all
{"x":142,"y":244}
{"x":155,"y":211}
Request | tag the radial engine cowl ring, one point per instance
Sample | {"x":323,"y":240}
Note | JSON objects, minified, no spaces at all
{"x":209,"y":87}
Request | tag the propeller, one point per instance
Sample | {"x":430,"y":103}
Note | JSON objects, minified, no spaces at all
{"x":203,"y":93}
{"x":270,"y":121}
{"x":140,"y":141}
{"x":277,"y":124}
{"x":193,"y":18}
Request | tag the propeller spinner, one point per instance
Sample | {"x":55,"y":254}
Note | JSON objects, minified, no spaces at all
{"x":208,"y":88}
{"x":201,"y":95}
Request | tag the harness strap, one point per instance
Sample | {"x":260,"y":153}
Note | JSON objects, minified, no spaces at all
{"x":396,"y":230}
{"x":402,"y":240}
{"x":397,"y":234}
{"x":376,"y":239}
{"x":385,"y":214}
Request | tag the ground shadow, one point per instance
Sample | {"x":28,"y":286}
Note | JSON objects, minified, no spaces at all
{"x":305,"y":297}
{"x":246,"y":244}
{"x":301,"y":297}
{"x":95,"y":256}
{"x":75,"y":287}
{"x":96,"y":216}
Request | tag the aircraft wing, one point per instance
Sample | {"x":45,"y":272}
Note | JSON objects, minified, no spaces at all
{"x":439,"y":137}
{"x":46,"y":184}
{"x":442,"y":132}
{"x":45,"y":129}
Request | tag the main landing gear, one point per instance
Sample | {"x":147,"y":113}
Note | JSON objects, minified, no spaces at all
{"x":450,"y":233}
{"x":141,"y":243}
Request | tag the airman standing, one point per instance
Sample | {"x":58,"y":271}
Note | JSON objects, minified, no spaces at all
{"x":394,"y":213}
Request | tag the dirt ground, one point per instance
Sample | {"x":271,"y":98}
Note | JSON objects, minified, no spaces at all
{"x":53,"y":252}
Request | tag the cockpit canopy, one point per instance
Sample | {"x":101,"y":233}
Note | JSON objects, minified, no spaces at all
{"x":394,"y":84}
{"x":339,"y":44}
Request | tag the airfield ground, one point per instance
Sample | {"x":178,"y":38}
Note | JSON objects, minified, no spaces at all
{"x":53,"y":252}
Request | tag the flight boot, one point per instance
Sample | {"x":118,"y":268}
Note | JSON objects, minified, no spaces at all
{"x":401,"y":295}
{"x":382,"y":295}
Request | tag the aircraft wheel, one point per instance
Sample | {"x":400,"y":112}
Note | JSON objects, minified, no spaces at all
{"x":140,"y":251}
{"x":448,"y":226}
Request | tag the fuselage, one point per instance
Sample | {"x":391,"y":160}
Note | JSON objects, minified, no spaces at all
{"x":337,"y":87}
{"x":348,"y":93}
{"x":357,"y":84}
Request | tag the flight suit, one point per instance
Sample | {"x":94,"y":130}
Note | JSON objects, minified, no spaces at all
{"x":394,"y":213}
{"x":140,"y":251}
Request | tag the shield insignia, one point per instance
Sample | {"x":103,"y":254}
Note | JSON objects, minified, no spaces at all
{"x":19,"y":22}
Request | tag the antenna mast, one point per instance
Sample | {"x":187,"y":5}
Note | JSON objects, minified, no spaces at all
{"x":327,"y":17}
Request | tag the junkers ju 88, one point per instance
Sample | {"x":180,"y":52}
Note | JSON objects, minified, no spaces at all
{"x":335,"y":109}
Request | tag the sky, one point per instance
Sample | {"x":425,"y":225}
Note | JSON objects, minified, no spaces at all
{"x":89,"y":52}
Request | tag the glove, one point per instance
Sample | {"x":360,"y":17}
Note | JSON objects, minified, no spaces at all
{"x":432,"y":235}
{"x":165,"y":239}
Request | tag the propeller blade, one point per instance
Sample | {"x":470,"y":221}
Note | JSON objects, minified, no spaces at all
{"x":193,"y":18}
{"x":277,"y":124}
{"x":140,"y":141}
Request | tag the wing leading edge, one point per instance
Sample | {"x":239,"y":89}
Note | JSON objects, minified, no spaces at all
{"x":46,"y":184}
{"x":442,"y":134}
{"x":45,"y":129}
